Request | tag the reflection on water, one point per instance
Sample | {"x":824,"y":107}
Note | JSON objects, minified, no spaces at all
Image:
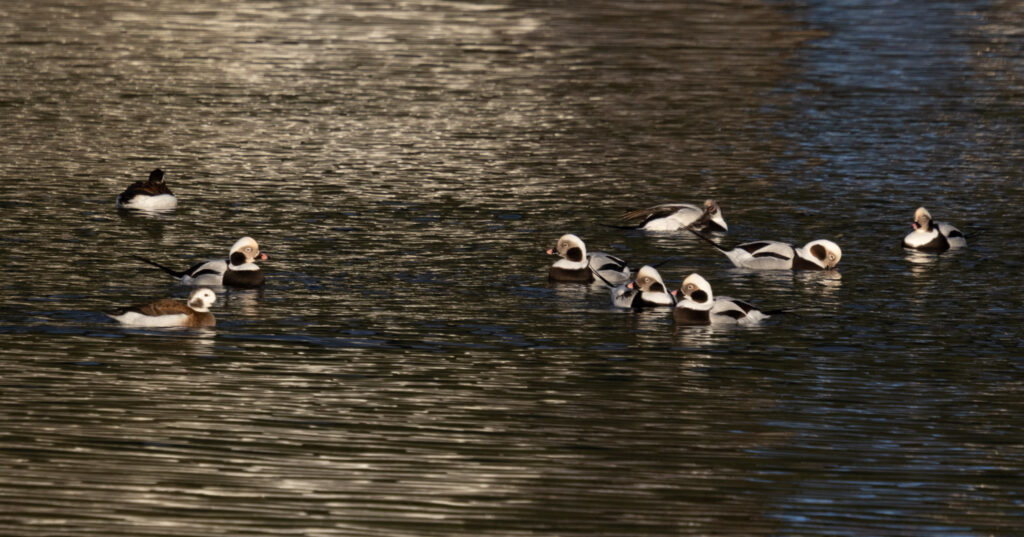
{"x":407,"y":370}
{"x":693,"y":338}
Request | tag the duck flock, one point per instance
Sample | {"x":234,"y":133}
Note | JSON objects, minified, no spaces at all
{"x":694,"y":303}
{"x":239,"y":270}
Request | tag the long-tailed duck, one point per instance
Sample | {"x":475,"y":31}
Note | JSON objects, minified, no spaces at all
{"x":646,"y":291}
{"x":238,"y":270}
{"x":577,"y":265}
{"x":932,"y":236}
{"x":773,"y":255}
{"x":149,"y":195}
{"x":673,"y":216}
{"x":167,"y":312}
{"x":698,"y":305}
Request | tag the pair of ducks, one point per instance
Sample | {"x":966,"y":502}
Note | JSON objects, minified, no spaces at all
{"x":697,"y":304}
{"x":760,"y":255}
{"x":239,"y":270}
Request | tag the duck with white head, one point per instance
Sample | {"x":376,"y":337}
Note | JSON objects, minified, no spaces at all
{"x":168,"y":312}
{"x":238,"y":270}
{"x":932,"y":236}
{"x":578,"y":265}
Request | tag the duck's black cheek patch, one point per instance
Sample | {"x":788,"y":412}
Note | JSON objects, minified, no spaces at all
{"x":699,"y":296}
{"x":237,"y":258}
{"x":574,"y":254}
{"x":657,"y":288}
{"x":819,"y":251}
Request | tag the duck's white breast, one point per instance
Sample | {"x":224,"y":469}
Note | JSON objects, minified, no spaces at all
{"x":160,"y":202}
{"x":135,"y":318}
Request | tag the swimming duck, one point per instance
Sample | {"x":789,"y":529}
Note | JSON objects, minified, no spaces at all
{"x":773,"y":255}
{"x":168,"y":312}
{"x":931,"y":236}
{"x":673,"y":216}
{"x":646,"y":291}
{"x":151,"y":195}
{"x":576,"y":265}
{"x":238,"y":270}
{"x":698,"y":305}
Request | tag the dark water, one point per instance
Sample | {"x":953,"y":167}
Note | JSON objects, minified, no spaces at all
{"x":407,"y":370}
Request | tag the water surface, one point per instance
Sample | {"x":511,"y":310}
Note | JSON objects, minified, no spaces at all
{"x":407,"y":370}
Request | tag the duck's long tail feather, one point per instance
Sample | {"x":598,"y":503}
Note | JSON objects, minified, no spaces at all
{"x":174,"y":273}
{"x":709,"y":240}
{"x":613,"y":226}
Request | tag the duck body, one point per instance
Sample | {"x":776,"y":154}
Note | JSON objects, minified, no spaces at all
{"x":168,"y":312}
{"x":239,"y":270}
{"x":699,"y":306}
{"x":724,"y":310}
{"x":932,"y":236}
{"x":675,"y":216}
{"x":150,"y":195}
{"x":221,"y":272}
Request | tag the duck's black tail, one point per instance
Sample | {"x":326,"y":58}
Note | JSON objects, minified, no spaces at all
{"x":657,"y":265}
{"x":776,"y":312}
{"x":974,"y":234}
{"x":613,"y":226}
{"x":174,"y":273}
{"x":709,"y":240}
{"x":602,"y":278}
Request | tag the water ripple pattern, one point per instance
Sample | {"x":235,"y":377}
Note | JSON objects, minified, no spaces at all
{"x":407,"y":370}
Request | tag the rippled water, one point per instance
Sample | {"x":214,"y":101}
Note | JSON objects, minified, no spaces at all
{"x":407,"y":370}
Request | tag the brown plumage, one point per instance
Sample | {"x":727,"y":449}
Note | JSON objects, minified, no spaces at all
{"x":170,"y":306}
